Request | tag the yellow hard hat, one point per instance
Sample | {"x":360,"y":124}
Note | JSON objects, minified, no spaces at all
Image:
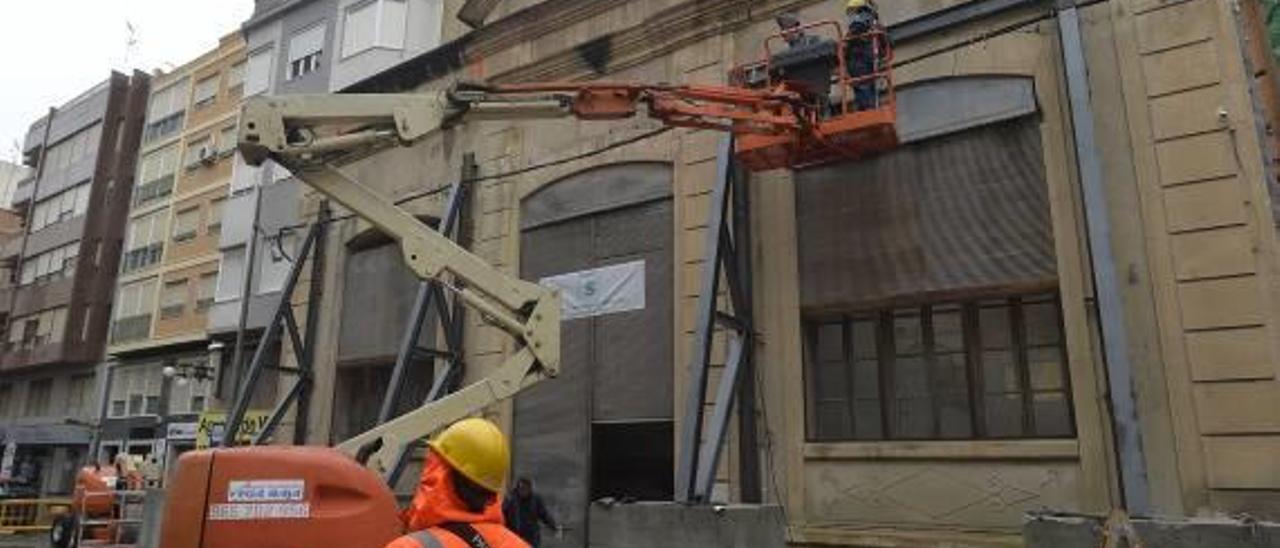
{"x":855,"y":4}
{"x":477,"y":449}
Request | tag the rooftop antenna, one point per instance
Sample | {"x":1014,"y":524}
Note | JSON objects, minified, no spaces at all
{"x":130,"y":42}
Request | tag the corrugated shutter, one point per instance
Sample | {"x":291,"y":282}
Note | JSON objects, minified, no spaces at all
{"x":958,"y":214}
{"x":615,"y":367}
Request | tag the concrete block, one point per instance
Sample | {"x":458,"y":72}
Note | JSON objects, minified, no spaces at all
{"x":677,"y":526}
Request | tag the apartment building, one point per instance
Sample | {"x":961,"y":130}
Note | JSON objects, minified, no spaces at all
{"x":161,"y":374}
{"x":64,"y":270}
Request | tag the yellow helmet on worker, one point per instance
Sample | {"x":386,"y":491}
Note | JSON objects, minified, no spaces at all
{"x":855,"y":4}
{"x":477,"y":449}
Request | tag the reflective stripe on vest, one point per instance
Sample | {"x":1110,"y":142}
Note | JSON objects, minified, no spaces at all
{"x":426,"y":539}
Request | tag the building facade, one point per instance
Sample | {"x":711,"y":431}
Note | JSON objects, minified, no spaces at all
{"x":160,"y":377}
{"x":64,"y":269}
{"x":932,"y":359}
{"x":10,"y":176}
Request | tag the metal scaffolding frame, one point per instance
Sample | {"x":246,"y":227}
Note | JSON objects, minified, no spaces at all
{"x":728,"y":256}
{"x":451,"y":314}
{"x":283,"y":319}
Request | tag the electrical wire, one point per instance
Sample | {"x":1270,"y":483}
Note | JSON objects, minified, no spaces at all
{"x":280,"y":231}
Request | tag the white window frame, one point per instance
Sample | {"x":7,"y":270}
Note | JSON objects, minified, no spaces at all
{"x":378,"y":37}
{"x":206,"y":92}
{"x":303,"y":58}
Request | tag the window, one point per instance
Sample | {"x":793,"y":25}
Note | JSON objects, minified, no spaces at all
{"x":135,"y":390}
{"x":215,"y":216}
{"x":206,"y":92}
{"x":987,"y":369}
{"x":198,"y":151}
{"x":134,"y":305}
{"x":39,"y":394}
{"x":305,"y":49}
{"x":235,"y":76}
{"x":144,"y":242}
{"x":70,"y":203}
{"x":166,"y":111}
{"x":231,"y":274}
{"x":173,"y":299}
{"x":258,"y":75}
{"x":80,"y":396}
{"x":185,"y":223}
{"x":377,"y":23}
{"x":155,"y":174}
{"x":50,"y":265}
{"x":227,"y":141}
{"x":79,"y":146}
{"x":208,"y":288}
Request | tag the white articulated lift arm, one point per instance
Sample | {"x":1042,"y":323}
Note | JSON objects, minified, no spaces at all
{"x":312,"y":135}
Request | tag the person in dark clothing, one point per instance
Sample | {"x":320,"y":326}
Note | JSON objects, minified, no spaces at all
{"x":808,"y":61}
{"x":864,"y":52}
{"x":525,"y":513}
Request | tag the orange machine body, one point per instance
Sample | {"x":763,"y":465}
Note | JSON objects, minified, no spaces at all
{"x":277,"y":497}
{"x":93,"y":489}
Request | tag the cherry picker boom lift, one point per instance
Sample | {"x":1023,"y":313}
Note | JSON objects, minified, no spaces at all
{"x":312,"y":496}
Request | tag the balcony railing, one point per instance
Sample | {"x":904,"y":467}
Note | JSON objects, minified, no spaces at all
{"x":140,"y":258}
{"x":131,"y":329}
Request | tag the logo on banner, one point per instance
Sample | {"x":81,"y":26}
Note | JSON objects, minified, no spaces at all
{"x":599,"y":291}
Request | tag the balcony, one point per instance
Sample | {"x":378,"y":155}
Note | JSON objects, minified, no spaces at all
{"x":153,"y":189}
{"x":141,"y":258}
{"x":130,"y":329}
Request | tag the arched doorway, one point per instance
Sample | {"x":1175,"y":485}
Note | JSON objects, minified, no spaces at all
{"x":604,"y":427}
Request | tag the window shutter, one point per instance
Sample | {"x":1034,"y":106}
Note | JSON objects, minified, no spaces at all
{"x":306,"y":43}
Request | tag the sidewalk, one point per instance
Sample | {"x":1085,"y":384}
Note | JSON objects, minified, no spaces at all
{"x":37,"y":540}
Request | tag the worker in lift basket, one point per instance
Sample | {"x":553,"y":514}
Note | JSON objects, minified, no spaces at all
{"x":457,"y":503}
{"x":864,"y":51}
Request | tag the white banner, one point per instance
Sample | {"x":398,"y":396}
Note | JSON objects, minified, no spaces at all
{"x":599,"y":291}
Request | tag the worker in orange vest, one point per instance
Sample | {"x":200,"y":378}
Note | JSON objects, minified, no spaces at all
{"x":457,"y":504}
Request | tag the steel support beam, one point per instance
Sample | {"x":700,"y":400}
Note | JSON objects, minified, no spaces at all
{"x":282,"y":317}
{"x":726,"y":243}
{"x":450,"y":312}
{"x":1115,"y":337}
{"x":422,"y":305}
{"x":307,"y":356}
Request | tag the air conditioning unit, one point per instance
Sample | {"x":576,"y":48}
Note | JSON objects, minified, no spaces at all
{"x":207,"y":155}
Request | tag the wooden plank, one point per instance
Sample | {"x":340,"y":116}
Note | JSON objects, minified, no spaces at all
{"x":1196,"y":158}
{"x":1212,"y":203}
{"x":1187,"y":112}
{"x":1176,"y":25}
{"x":1230,"y":354}
{"x":1211,"y":253}
{"x":1230,"y":302}
{"x":1244,"y":407}
{"x":1243,"y":462}
{"x":1181,"y":68}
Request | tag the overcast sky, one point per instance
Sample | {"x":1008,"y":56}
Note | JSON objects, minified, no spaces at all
{"x":52,"y":50}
